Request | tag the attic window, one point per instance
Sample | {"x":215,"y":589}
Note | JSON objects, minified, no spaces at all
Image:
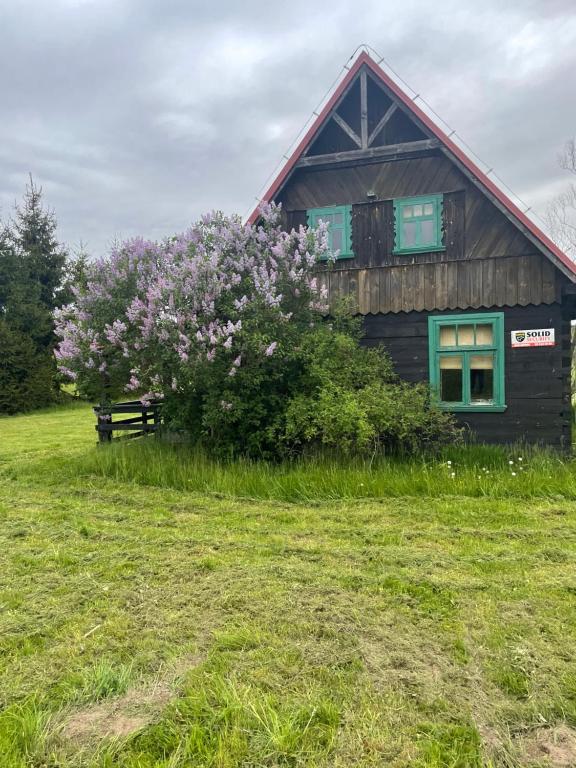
{"x":418,"y":224}
{"x":339,"y":220}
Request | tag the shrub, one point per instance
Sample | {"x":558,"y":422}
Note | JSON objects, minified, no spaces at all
{"x":156,"y":318}
{"x":27,"y":374}
{"x":227,"y":324}
{"x":355,"y":403}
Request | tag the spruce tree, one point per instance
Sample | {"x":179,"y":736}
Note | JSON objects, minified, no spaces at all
{"x":32,"y":277}
{"x":33,"y":233}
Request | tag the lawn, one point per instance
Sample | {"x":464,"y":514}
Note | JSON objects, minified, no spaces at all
{"x":146,"y":621}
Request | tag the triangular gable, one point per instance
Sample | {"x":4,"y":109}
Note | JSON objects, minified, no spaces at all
{"x":342,"y":130}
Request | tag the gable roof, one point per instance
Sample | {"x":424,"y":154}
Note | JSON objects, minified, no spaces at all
{"x":449,"y":147}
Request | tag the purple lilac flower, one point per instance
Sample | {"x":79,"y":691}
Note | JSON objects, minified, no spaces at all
{"x":174,"y":293}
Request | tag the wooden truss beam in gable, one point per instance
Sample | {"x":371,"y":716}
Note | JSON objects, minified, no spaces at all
{"x":359,"y":129}
{"x":388,"y":114}
{"x":388,"y":152}
{"x":364,"y":108}
{"x":362,"y":141}
{"x":347,"y":129}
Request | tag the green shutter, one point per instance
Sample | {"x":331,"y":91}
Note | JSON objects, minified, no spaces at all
{"x":418,"y":224}
{"x":460,"y":340}
{"x":340,"y":218}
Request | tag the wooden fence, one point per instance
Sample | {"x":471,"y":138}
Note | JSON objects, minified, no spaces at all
{"x":144,"y":420}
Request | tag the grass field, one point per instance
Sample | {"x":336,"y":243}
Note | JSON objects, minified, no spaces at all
{"x":157,"y":609}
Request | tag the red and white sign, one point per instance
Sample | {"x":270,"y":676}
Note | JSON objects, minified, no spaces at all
{"x":535,"y":337}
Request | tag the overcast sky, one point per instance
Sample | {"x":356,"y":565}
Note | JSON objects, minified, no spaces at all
{"x":136,"y":116}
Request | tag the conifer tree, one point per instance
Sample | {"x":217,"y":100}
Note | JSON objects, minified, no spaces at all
{"x":33,"y":234}
{"x":32,"y":280}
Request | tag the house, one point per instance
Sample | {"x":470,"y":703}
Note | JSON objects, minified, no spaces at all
{"x":453,"y":278}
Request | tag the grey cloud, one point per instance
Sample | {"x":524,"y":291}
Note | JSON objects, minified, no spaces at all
{"x":138,"y":115}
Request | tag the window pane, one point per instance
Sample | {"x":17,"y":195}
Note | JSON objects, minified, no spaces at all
{"x":336,"y":237}
{"x":428,"y":209}
{"x":417,"y":210}
{"x":481,"y":378}
{"x":327,"y":218}
{"x":409,"y":234}
{"x":451,"y":378}
{"x":451,"y":362}
{"x":407,"y":212}
{"x":484,"y":334}
{"x":338,"y":219}
{"x":465,"y":335}
{"x":447,"y":335}
{"x":481,"y":362}
{"x":427,"y":232}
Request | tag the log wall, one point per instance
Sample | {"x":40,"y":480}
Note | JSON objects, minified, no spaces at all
{"x":537,"y":380}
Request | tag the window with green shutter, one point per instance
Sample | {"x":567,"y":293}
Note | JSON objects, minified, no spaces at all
{"x":339,"y":219}
{"x":467,"y":361}
{"x":418,"y":224}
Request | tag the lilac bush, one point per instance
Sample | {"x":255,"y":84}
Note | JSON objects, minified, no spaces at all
{"x":150,"y":315}
{"x":227,"y":324}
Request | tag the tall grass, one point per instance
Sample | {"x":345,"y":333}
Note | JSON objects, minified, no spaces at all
{"x":24,"y":728}
{"x":469,"y":471}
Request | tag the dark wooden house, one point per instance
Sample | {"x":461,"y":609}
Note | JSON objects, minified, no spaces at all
{"x":458,"y":283}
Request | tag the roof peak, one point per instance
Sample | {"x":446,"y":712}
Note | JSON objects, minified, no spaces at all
{"x":449,"y":147}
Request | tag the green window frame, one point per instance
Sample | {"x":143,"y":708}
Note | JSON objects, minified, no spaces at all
{"x":466,"y":360}
{"x":418,"y":224}
{"x":339,"y":218}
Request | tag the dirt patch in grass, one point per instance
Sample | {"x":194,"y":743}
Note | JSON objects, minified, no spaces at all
{"x":550,"y":746}
{"x":102,"y":722}
{"x":118,"y":717}
{"x":123,"y":715}
{"x":491,"y":739}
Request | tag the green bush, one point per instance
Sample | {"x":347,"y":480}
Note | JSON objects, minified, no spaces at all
{"x":27,"y":374}
{"x":358,"y":405}
{"x":322,"y":390}
{"x":377,"y":418}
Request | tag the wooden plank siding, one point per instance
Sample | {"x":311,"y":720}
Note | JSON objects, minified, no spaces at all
{"x":537,"y":380}
{"x":474,"y":228}
{"x":486,"y":261}
{"x":373,"y":235}
{"x":452,"y":285}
